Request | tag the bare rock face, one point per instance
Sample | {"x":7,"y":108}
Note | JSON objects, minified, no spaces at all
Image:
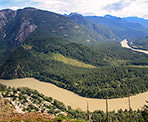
{"x":5,"y":16}
{"x":25,"y":29}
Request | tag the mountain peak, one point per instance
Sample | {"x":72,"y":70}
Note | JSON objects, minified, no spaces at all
{"x":110,"y":16}
{"x":6,"y":10}
{"x":74,"y":14}
{"x":28,"y":9}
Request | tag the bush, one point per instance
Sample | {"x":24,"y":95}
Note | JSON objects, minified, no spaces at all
{"x":3,"y":87}
{"x":59,"y":105}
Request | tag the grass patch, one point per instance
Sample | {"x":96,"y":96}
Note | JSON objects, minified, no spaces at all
{"x":61,"y":58}
{"x":71,"y":61}
{"x":138,"y":66}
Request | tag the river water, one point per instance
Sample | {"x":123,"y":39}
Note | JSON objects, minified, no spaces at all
{"x":76,"y":101}
{"x":124,"y":44}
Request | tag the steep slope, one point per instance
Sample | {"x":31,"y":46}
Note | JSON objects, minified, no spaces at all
{"x":16,"y":26}
{"x":100,"y":33}
{"x":120,"y":27}
{"x":34,"y":53}
{"x":6,"y":16}
{"x":29,"y":19}
{"x":14,"y":29}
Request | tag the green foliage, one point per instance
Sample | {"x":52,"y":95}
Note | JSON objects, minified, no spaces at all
{"x":71,"y":61}
{"x":79,"y":114}
{"x":144,"y":113}
{"x":140,"y":43}
{"x":41,"y":42}
{"x":47,"y":22}
{"x":16,"y":120}
{"x":60,"y":118}
{"x":100,"y":116}
{"x":49,"y":99}
{"x":59,"y":105}
{"x":113,"y":68}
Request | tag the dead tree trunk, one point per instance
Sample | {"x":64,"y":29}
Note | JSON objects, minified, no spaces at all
{"x":88,"y":114}
{"x":1,"y":100}
{"x":129,"y":103}
{"x":107,"y":119}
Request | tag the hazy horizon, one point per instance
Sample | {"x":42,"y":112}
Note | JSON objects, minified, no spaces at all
{"x":119,"y":8}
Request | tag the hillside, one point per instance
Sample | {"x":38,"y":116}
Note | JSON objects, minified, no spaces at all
{"x":140,"y":43}
{"x":16,"y":26}
{"x":102,"y":33}
{"x":36,"y":58}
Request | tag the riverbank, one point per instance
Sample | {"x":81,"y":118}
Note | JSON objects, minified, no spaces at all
{"x":76,"y":101}
{"x":124,"y":44}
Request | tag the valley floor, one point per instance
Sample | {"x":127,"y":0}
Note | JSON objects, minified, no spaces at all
{"x":75,"y":101}
{"x":124,"y":43}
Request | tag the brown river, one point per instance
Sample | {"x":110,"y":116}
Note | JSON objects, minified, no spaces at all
{"x":74,"y":100}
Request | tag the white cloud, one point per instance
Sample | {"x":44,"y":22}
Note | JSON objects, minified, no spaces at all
{"x":136,"y":8}
{"x":97,"y":7}
{"x":92,"y":7}
{"x":59,"y":6}
{"x":79,"y":6}
{"x":14,"y":8}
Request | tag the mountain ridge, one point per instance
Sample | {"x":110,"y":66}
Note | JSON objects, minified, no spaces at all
{"x":120,"y":27}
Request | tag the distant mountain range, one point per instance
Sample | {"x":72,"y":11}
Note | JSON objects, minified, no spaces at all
{"x":122,"y":27}
{"x":141,"y":21}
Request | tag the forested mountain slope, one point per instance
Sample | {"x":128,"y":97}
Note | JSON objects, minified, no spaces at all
{"x":36,"y":58}
{"x":99,"y":31}
{"x":140,"y":43}
{"x":16,"y":26}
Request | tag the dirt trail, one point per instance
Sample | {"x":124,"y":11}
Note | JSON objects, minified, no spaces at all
{"x":75,"y":101}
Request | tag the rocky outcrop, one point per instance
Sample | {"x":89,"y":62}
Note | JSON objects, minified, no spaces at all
{"x":25,"y":29}
{"x":3,"y":21}
{"x":5,"y":17}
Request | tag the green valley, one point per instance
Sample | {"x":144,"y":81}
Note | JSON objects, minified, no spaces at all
{"x":72,"y":52}
{"x":73,"y":61}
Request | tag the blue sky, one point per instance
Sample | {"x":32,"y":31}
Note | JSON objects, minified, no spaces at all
{"x":120,"y":8}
